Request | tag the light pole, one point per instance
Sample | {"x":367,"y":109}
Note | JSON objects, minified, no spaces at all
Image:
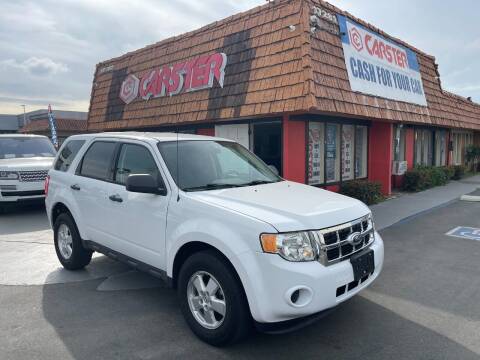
{"x":24,"y":116}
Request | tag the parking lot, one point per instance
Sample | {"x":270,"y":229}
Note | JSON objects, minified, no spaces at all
{"x":423,"y":306}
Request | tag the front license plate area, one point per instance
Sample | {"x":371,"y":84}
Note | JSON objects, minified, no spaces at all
{"x":363,"y":264}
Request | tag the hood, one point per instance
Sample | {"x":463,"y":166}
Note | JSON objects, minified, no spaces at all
{"x":26,"y":164}
{"x":288,"y":206}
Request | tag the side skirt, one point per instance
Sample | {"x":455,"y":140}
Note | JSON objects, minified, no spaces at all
{"x":133,"y":263}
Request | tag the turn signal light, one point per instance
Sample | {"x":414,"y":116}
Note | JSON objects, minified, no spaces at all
{"x":47,"y":183}
{"x":269,"y":243}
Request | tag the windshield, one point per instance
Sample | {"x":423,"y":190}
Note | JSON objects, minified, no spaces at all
{"x":25,"y":147}
{"x":209,"y":165}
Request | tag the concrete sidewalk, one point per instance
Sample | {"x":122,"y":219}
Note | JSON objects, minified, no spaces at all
{"x":392,"y":211}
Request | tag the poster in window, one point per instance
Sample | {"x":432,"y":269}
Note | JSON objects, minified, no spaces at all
{"x":347,"y":151}
{"x":331,"y":151}
{"x":315,"y":151}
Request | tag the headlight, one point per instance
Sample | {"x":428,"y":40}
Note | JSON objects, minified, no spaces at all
{"x":8,"y":175}
{"x":295,"y":246}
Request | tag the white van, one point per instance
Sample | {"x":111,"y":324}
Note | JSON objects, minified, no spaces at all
{"x":240,"y":244}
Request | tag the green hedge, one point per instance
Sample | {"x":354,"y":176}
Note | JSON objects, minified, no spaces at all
{"x":459,"y":172}
{"x":368,"y":192}
{"x":425,"y":177}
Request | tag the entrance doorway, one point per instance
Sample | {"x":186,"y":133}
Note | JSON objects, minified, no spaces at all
{"x":263,"y":138}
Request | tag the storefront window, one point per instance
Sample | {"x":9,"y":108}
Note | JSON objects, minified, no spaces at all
{"x":461,"y":140}
{"x":440,"y":148}
{"x":361,"y":146}
{"x":348,"y":146}
{"x":336,"y":152}
{"x":332,"y":153}
{"x":316,"y":151}
{"x":399,"y":134}
{"x":423,"y":147}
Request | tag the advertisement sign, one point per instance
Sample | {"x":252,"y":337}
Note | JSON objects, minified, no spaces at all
{"x":347,"y":151}
{"x":193,"y":75}
{"x":380,"y":67}
{"x":315,"y":137}
{"x":331,"y":151}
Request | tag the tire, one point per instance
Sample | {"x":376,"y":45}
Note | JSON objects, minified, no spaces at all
{"x":79,"y":256}
{"x":236,"y":322}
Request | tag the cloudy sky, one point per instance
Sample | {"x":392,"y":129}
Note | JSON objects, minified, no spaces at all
{"x":48,"y":49}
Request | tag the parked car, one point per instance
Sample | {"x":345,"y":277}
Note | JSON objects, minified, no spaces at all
{"x":240,"y":244}
{"x":24,"y":164}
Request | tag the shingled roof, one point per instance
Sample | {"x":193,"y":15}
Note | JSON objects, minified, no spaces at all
{"x":275,"y":65}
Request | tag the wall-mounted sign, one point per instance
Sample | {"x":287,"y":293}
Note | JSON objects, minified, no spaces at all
{"x":380,"y":67}
{"x":197,"y":74}
{"x":322,"y":19}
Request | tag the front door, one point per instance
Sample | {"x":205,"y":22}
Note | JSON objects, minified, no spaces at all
{"x":137,"y":222}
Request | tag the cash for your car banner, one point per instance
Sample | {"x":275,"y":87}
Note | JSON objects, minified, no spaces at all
{"x":380,"y":67}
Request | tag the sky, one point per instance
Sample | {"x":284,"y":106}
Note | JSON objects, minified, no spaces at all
{"x":49,"y":49}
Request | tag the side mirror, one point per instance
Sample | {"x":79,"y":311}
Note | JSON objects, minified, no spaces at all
{"x":274,"y":169}
{"x":145,"y":184}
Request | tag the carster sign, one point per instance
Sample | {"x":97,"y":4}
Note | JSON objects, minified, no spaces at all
{"x":380,"y":67}
{"x":197,"y":74}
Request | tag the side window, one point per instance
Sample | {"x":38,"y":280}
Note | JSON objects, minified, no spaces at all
{"x":135,"y":159}
{"x":97,"y":160}
{"x":68,"y":154}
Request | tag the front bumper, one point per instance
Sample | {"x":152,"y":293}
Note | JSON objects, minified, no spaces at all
{"x":17,"y":191}
{"x":273,"y":279}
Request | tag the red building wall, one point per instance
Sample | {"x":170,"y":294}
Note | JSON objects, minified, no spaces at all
{"x":206,"y":131}
{"x":294,"y":150}
{"x":380,"y":155}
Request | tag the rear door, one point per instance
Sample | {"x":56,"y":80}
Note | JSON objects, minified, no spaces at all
{"x":89,"y":190}
{"x":137,"y":222}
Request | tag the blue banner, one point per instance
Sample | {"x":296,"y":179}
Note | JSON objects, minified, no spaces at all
{"x":53,"y":127}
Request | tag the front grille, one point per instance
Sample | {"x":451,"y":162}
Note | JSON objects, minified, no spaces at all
{"x":33,"y":176}
{"x":335,"y":243}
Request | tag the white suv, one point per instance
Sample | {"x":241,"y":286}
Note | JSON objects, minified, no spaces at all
{"x":24,"y":164}
{"x":237,"y":241}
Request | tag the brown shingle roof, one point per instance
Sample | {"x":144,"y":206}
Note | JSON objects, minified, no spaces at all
{"x":67,"y":125}
{"x":271,"y":69}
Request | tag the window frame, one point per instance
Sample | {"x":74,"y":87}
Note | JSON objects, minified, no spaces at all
{"x":354,"y":152}
{"x":118,"y":151}
{"x":78,"y":170}
{"x":64,"y":145}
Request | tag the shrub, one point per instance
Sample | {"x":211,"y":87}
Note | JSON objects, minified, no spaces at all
{"x":425,"y":177}
{"x":449,"y":172}
{"x":460,"y":171}
{"x":368,"y":192}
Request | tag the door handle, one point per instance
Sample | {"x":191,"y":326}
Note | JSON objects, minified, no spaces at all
{"x":75,"y":187}
{"x":116,"y":198}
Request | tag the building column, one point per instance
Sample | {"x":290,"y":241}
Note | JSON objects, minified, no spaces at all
{"x":380,"y":155}
{"x":294,"y":150}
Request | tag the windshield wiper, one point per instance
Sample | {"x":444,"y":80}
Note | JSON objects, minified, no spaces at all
{"x":211,"y":187}
{"x":258,"y":182}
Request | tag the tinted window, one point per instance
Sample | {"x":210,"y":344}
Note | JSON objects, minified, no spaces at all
{"x":68,"y":153}
{"x":25,"y":147}
{"x":97,"y":160}
{"x":135,"y":159}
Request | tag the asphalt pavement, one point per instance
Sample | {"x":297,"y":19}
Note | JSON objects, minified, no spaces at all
{"x":424,"y":305}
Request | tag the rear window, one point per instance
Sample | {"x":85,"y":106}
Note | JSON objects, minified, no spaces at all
{"x":68,"y":154}
{"x":25,"y":147}
{"x":97,"y":160}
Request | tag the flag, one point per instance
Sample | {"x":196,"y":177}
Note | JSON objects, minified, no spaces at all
{"x":53,"y":126}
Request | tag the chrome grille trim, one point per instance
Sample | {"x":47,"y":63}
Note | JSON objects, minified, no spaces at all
{"x":340,"y":233}
{"x":33,"y":176}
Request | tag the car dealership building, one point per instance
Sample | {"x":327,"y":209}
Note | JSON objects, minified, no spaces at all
{"x":321,"y":95}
